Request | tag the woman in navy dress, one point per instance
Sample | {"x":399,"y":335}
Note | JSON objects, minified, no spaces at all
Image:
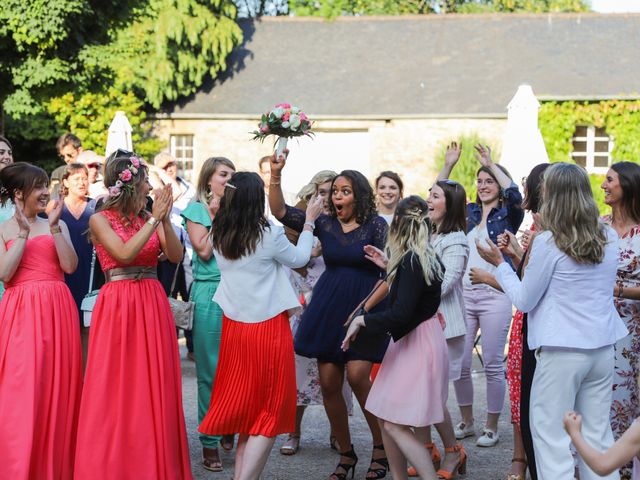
{"x":352,"y":223}
{"x":76,"y":210}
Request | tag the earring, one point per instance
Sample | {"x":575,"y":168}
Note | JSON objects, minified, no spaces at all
{"x":208,"y":193}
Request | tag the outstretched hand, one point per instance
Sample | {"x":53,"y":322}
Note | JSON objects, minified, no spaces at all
{"x":352,"y":332}
{"x":376,"y":256}
{"x":452,"y":155}
{"x":483,"y":155}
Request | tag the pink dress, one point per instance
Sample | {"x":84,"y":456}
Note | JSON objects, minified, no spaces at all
{"x":412,"y":385}
{"x":131,"y":423}
{"x":40,"y":368}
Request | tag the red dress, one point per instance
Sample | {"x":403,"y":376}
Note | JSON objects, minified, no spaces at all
{"x":131,"y":423}
{"x":40,"y":368}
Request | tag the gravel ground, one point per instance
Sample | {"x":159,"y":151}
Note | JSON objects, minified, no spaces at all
{"x":316,"y":461}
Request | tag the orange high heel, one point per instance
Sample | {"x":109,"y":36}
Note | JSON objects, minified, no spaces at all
{"x":435,"y":458}
{"x":461,"y":466}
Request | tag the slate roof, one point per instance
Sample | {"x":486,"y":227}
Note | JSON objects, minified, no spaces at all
{"x":430,"y":65}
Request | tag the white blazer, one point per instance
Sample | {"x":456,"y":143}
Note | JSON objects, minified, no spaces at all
{"x":453,"y":251}
{"x":570,"y":304}
{"x":256,"y":287}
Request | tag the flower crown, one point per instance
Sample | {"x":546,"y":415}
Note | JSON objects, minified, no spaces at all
{"x":125,"y":177}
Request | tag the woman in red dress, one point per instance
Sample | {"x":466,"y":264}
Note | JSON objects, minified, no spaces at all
{"x":131,"y":423}
{"x":40,"y":359}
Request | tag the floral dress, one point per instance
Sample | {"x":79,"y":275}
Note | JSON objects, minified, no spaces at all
{"x":625,"y":407}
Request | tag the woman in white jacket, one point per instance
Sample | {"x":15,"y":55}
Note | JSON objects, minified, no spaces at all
{"x":254,"y":394}
{"x":573,"y":323}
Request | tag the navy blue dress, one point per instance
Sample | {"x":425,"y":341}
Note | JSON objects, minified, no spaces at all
{"x":78,"y":281}
{"x":347,"y":280}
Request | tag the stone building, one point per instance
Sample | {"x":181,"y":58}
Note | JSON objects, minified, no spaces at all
{"x":387,"y":93}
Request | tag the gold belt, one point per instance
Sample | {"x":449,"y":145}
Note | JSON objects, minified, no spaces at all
{"x":130,"y":273}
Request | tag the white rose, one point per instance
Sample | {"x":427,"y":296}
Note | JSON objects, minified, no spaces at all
{"x":285,"y":124}
{"x":277,"y":112}
{"x":295,"y":110}
{"x":294,"y":120}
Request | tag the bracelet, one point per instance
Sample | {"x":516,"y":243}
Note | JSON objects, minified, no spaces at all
{"x":274,"y":181}
{"x":620,"y":290}
{"x":55,"y":229}
{"x":24,"y":235}
{"x":153,"y":222}
{"x":310,"y":224}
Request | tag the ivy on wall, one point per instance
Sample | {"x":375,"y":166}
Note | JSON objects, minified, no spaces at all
{"x":620,"y":118}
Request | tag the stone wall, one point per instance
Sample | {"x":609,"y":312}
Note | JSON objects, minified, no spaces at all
{"x":407,"y":146}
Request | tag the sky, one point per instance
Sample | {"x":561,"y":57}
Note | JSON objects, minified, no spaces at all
{"x":611,"y":6}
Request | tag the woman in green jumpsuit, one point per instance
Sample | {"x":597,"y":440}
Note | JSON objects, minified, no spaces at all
{"x":207,"y":321}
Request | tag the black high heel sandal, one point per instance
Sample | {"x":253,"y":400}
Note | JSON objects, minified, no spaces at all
{"x":379,"y":472}
{"x":345,"y":466}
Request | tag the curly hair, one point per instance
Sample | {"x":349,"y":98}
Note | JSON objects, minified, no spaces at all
{"x":365,"y":204}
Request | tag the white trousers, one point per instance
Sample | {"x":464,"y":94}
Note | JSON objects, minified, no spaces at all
{"x":570,"y":379}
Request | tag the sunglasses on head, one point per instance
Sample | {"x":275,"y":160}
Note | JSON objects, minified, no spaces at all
{"x":451,"y":183}
{"x":93,"y":165}
{"x":169,"y":165}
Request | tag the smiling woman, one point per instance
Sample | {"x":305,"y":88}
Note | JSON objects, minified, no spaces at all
{"x":389,"y":190}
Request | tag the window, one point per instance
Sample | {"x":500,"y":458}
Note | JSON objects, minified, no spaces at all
{"x":182,"y":149}
{"x":592,"y":148}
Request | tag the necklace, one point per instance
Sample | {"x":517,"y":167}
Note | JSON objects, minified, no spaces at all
{"x":347,"y":225}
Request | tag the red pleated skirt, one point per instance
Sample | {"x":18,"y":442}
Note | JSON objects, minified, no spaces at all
{"x":255,"y":388}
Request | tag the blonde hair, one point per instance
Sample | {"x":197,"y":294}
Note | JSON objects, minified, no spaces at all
{"x":570,"y":213}
{"x":410,"y":231}
{"x":311,"y":188}
{"x":209,"y":167}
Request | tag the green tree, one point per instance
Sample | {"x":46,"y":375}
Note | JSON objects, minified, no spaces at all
{"x":140,"y":52}
{"x":334,"y":8}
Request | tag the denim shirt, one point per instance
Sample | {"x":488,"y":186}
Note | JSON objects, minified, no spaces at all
{"x":508,"y":217}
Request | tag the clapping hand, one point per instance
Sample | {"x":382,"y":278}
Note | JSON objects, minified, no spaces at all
{"x":162,"y":203}
{"x":490,"y":252}
{"x":55,"y":212}
{"x":508,"y":244}
{"x":376,"y":255}
{"x":452,"y":155}
{"x":21,"y":219}
{"x":214,"y":205}
{"x":483,"y":155}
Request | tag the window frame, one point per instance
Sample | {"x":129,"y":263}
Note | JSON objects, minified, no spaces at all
{"x":590,"y":154}
{"x":178,"y":150}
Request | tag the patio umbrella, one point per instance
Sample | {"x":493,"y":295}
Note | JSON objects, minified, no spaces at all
{"x":522,"y":145}
{"x":119,"y":134}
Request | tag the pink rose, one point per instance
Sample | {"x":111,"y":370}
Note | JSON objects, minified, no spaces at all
{"x":125,"y":175}
{"x":114,"y":191}
{"x":135,"y":161}
{"x":285,"y":117}
{"x":283,"y":105}
{"x":302,"y":116}
{"x":264,"y":128}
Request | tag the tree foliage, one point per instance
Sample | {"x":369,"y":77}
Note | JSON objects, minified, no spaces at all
{"x":117,"y":54}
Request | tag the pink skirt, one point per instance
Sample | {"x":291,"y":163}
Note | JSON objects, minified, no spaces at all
{"x":412,"y":385}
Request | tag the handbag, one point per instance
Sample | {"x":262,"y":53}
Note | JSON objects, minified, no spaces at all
{"x":182,"y":311}
{"x":366,"y":343}
{"x":89,"y":300}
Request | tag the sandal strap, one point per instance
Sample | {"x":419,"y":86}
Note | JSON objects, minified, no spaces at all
{"x":519,"y":460}
{"x":456,"y":448}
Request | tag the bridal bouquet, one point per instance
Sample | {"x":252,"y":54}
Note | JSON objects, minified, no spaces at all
{"x":284,"y":121}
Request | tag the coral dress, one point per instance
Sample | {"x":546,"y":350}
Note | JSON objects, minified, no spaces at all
{"x":40,"y":368}
{"x":131,"y":423}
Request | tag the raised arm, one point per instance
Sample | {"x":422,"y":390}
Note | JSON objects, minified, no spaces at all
{"x":67,"y":256}
{"x":10,"y":258}
{"x":297,"y":256}
{"x":276,"y":198}
{"x":483,"y":155}
{"x":451,"y":157}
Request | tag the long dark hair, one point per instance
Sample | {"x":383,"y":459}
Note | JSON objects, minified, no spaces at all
{"x":362,"y":192}
{"x":240,"y":222}
{"x":455,"y":197}
{"x":629,"y":178}
{"x":127,"y":203}
{"x":532,"y":187}
{"x":20,"y":176}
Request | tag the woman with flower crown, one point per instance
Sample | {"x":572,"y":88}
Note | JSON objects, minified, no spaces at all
{"x":131,"y":422}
